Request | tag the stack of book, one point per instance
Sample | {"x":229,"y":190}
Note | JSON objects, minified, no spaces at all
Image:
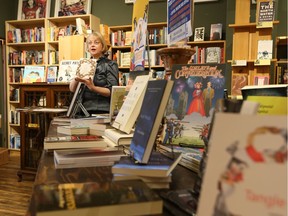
{"x":116,"y":137}
{"x":156,"y":173}
{"x":191,"y":157}
{"x":87,"y":157}
{"x":73,"y":130}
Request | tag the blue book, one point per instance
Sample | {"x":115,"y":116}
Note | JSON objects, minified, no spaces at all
{"x":149,"y":119}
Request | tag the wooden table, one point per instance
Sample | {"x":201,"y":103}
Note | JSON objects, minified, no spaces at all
{"x":182,"y":178}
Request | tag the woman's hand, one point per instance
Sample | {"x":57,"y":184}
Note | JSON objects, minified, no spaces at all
{"x":88,"y":82}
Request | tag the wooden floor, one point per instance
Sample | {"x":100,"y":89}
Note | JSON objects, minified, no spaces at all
{"x":14,"y":195}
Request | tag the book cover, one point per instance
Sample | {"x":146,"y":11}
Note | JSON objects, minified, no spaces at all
{"x":213,"y":55}
{"x":51,"y":74}
{"x":81,"y":26}
{"x":239,"y":80}
{"x":235,"y":165}
{"x":130,"y":109}
{"x":189,"y":112}
{"x":261,"y":79}
{"x":265,"y":13}
{"x":150,"y":118}
{"x":33,"y":74}
{"x":216,"y":31}
{"x":265,"y":49}
{"x":159,"y":165}
{"x":110,"y":198}
{"x":67,"y":70}
{"x":199,"y":34}
{"x":86,"y":68}
{"x":117,"y":99}
{"x":74,"y":141}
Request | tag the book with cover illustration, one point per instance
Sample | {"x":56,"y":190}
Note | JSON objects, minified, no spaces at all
{"x":74,"y":141}
{"x":86,"y":68}
{"x":67,"y":70}
{"x":265,"y":13}
{"x":265,"y":49}
{"x":112,"y":198}
{"x":199,"y":34}
{"x":197,"y":87}
{"x":117,"y":99}
{"x":33,"y":74}
{"x":51,"y":74}
{"x":150,"y":117}
{"x":236,"y":163}
{"x":159,"y":165}
{"x":216,"y":31}
{"x":129,"y":111}
{"x":239,"y":80}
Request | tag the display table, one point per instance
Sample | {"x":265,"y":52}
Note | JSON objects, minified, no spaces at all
{"x":182,"y":178}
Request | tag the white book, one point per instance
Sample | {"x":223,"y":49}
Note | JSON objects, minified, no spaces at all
{"x":130,"y":109}
{"x":265,"y":48}
{"x":67,"y":70}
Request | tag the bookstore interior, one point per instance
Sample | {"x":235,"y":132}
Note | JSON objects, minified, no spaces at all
{"x":199,"y":101}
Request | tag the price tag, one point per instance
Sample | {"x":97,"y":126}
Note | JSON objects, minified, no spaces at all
{"x":263,"y":62}
{"x":239,"y":63}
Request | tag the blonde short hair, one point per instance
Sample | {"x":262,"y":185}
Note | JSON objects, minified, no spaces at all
{"x":100,"y":37}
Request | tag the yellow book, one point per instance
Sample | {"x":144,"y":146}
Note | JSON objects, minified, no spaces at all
{"x":272,"y":105}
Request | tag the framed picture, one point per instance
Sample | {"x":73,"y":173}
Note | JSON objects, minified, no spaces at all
{"x":32,"y":9}
{"x":72,"y":7}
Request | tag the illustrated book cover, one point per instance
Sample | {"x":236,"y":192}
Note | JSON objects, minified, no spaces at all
{"x":118,"y":94}
{"x":216,"y":31}
{"x":86,"y":68}
{"x":189,"y":112}
{"x":199,"y":34}
{"x":265,"y":13}
{"x":265,"y":49}
{"x":34,"y":74}
{"x":67,"y":70}
{"x":111,"y":198}
{"x":129,"y":111}
{"x":159,"y":165}
{"x":246,"y":172}
{"x":51,"y":74}
{"x":150,"y":118}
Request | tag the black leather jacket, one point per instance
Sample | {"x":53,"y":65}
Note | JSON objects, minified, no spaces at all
{"x":106,"y":75}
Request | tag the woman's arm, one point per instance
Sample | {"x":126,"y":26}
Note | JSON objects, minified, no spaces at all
{"x":90,"y":85}
{"x":73,"y":85}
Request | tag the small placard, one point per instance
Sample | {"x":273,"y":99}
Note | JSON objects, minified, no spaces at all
{"x":264,"y":25}
{"x":239,"y":63}
{"x":260,"y":62}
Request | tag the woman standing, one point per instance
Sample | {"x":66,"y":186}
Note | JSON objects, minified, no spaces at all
{"x":97,"y":92}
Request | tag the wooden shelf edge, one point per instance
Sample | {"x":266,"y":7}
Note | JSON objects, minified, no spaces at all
{"x":245,"y":25}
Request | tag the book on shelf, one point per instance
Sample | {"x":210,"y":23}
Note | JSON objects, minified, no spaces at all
{"x":81,"y":26}
{"x":150,"y":118}
{"x":239,"y":80}
{"x":262,"y":79}
{"x":67,"y":70}
{"x":74,"y":141}
{"x":117,"y":99}
{"x":216,"y":31}
{"x":73,"y":130}
{"x":33,"y":73}
{"x":213,"y":55}
{"x":131,"y":197}
{"x":236,"y":163}
{"x":51,"y":74}
{"x":128,"y":113}
{"x":118,"y":137}
{"x":199,"y":34}
{"x":72,"y":158}
{"x":265,"y":49}
{"x":282,"y":74}
{"x":192,"y":103}
{"x":265,"y":13}
{"x":158,"y":165}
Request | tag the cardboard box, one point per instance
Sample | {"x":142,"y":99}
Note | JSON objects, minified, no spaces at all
{"x":4,"y":156}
